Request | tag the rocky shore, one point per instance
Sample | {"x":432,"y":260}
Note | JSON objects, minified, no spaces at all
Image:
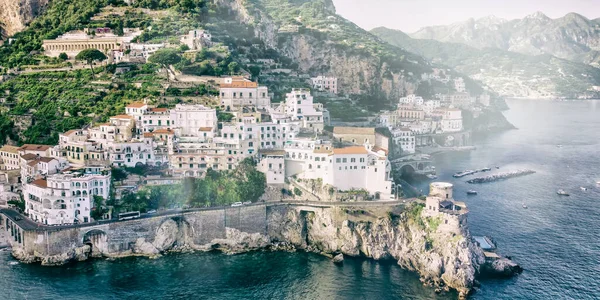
{"x":445,"y":258}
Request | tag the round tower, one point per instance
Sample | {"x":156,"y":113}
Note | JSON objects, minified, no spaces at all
{"x":441,"y":189}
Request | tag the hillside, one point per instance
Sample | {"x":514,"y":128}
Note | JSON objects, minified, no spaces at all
{"x":509,"y":73}
{"x":572,"y":37}
{"x":15,"y":15}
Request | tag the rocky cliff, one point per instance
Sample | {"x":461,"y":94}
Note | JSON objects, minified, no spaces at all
{"x":16,"y":14}
{"x":439,"y":249}
{"x":329,"y":44}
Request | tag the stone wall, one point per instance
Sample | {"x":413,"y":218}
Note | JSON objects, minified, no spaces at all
{"x":132,"y":236}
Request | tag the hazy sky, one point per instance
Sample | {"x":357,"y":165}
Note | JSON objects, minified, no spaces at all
{"x":410,"y":15}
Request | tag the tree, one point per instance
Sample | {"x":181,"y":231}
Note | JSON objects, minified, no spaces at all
{"x":165,"y":57}
{"x":233,"y":67}
{"x":99,"y":209}
{"x":63,"y":56}
{"x":89,"y":56}
{"x":184,"y":48}
{"x":118,"y":174}
{"x":297,"y":192}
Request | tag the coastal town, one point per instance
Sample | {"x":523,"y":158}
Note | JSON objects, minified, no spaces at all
{"x":294,"y":142}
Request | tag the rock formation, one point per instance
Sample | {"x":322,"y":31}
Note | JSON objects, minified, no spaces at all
{"x":16,"y":14}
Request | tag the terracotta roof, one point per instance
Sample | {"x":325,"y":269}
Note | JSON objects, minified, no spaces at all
{"x":46,"y":159}
{"x":205,"y":128}
{"x":40,"y":182}
{"x":34,"y":147}
{"x":33,"y":163}
{"x":351,"y":150}
{"x":156,"y":109}
{"x":136,"y":105}
{"x":148,"y":134}
{"x":353,"y":130}
{"x":9,"y":148}
{"x":272,"y":152}
{"x":29,"y":156}
{"x":239,"y":84}
{"x":168,"y":131}
{"x":322,"y":149}
{"x":70,"y":132}
{"x":122,"y":117}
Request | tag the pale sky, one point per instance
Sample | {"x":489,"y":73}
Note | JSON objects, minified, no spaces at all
{"x":411,"y":15}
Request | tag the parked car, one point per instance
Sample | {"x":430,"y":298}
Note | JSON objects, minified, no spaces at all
{"x":247,"y":202}
{"x":236,"y":204}
{"x":152,"y":211}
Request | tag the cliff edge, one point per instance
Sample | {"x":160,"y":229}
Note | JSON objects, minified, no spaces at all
{"x":16,"y":14}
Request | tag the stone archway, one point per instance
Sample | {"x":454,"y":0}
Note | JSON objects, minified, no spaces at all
{"x":407,"y":170}
{"x":98,"y":242}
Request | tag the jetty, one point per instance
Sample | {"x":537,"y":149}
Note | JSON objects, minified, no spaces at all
{"x":470,"y":172}
{"x":500,"y":176}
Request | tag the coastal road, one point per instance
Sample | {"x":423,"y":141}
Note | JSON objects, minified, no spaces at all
{"x":27,"y":224}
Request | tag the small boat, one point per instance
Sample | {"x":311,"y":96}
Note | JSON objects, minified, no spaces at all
{"x":486,"y":169}
{"x":583,"y":188}
{"x":497,"y":167}
{"x":559,"y":146}
{"x":524,"y":206}
{"x":471,"y":192}
{"x":562,"y":192}
{"x":431,"y":176}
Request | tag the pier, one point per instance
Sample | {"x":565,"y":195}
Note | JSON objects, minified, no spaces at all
{"x":500,"y":176}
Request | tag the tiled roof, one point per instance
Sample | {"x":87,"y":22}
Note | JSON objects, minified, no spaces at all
{"x":9,"y":148}
{"x":29,"y":156}
{"x":167,"y":131}
{"x":136,"y":105}
{"x":40,"y":182}
{"x":157,"y":109}
{"x":34,"y":147}
{"x":353,"y":130}
{"x":351,"y":150}
{"x":239,"y":84}
{"x":122,"y":117}
{"x":205,"y":128}
{"x":272,"y":152}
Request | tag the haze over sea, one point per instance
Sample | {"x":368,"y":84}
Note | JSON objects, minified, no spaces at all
{"x":556,"y":239}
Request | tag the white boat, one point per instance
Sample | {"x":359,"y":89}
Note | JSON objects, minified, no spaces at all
{"x":471,"y":192}
{"x":583,"y":188}
{"x":562,"y":192}
{"x":431,"y":176}
{"x":559,"y":146}
{"x":524,"y":206}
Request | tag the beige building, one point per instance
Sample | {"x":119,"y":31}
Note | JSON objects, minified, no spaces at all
{"x":74,"y":42}
{"x":9,"y":157}
{"x":362,"y":136}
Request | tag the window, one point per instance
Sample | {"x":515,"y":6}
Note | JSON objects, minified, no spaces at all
{"x":353,"y":160}
{"x":344,"y":160}
{"x":338,"y":160}
{"x":362,"y":160}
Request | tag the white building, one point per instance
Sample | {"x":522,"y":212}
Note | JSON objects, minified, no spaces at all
{"x":64,"y":198}
{"x":325,"y":84}
{"x":349,"y":168}
{"x":193,"y":120}
{"x":239,"y":92}
{"x":431,"y":105}
{"x":272,"y":163}
{"x":452,"y":120}
{"x":299,"y":105}
{"x":404,"y":139}
{"x":459,"y":85}
{"x":196,"y":39}
{"x":411,"y":99}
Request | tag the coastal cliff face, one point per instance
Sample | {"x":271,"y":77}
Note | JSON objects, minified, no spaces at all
{"x":357,"y":71}
{"x":444,"y":257}
{"x":439,"y":248}
{"x":16,"y":14}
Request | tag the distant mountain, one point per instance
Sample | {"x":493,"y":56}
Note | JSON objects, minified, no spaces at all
{"x":509,"y":73}
{"x":572,"y":37}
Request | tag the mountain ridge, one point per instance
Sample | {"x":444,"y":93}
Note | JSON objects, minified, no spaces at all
{"x":571,"y":37}
{"x":509,"y":73}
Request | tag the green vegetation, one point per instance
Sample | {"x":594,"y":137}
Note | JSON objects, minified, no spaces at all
{"x":414,"y":214}
{"x":99,"y":208}
{"x":434,"y":223}
{"x":297,"y":192}
{"x":90,"y":56}
{"x":245,"y":183}
{"x":61,"y":101}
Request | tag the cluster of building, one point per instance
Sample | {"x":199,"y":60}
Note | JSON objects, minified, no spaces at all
{"x":59,"y":182}
{"x":119,"y":48}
